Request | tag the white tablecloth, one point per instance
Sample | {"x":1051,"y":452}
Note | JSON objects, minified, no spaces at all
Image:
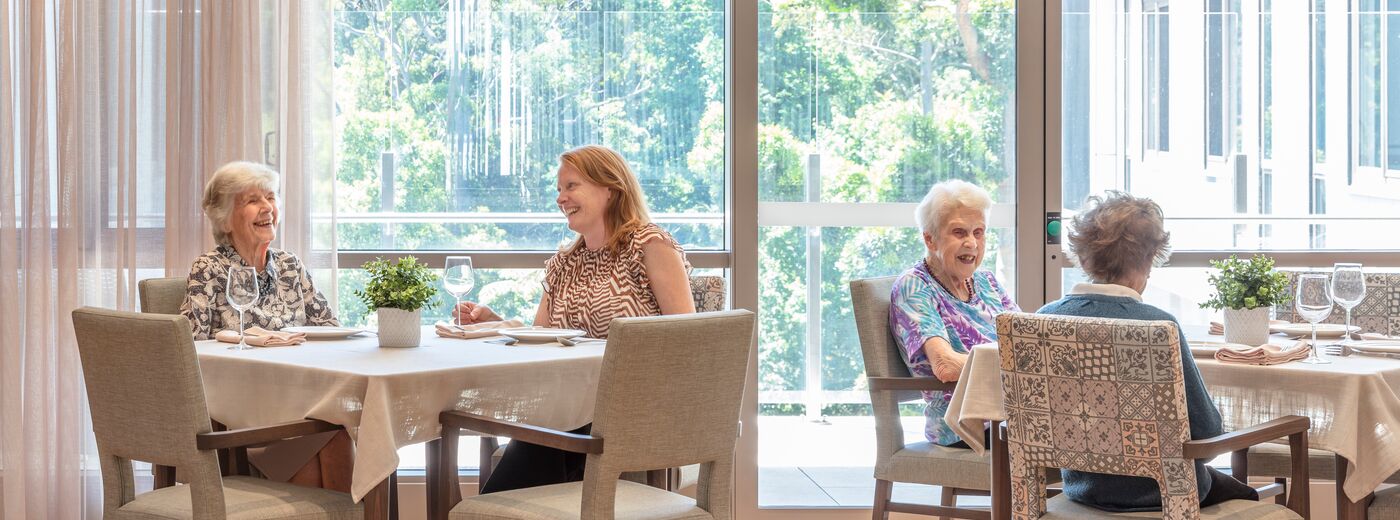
{"x":389,"y":398}
{"x":1352,"y":403}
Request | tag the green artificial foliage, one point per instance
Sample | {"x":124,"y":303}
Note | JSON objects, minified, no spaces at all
{"x":405,"y":284}
{"x":1246,"y":284}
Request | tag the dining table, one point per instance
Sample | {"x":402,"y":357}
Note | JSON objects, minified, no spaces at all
{"x":388,"y":398}
{"x":1352,"y":403}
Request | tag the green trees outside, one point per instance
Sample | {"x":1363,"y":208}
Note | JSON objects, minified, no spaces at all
{"x":471,"y":102}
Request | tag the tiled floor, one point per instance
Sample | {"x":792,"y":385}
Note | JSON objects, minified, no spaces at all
{"x":829,"y":463}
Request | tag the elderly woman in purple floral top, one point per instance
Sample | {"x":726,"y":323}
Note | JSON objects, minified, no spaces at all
{"x":944,"y":305}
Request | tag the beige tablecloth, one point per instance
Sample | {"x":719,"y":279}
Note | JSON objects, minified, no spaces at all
{"x":1352,"y":403}
{"x":389,"y":398}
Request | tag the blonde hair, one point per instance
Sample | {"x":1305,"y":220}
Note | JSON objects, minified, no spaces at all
{"x":1117,"y":235}
{"x":946,"y":197}
{"x":627,"y":211}
{"x":228,"y":181}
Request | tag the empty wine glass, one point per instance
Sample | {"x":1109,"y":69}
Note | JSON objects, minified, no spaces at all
{"x":1313,"y":302}
{"x":1348,"y":289}
{"x":242,"y":293}
{"x":457,"y":278}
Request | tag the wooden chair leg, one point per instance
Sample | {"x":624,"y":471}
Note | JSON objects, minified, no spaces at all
{"x":394,"y":495}
{"x":883,"y":490}
{"x":1281,"y":498}
{"x":949,"y":499}
{"x":164,"y":476}
{"x":376,"y":503}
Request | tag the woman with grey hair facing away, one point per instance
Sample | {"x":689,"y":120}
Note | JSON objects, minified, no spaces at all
{"x":945,"y":304}
{"x":1117,"y":240}
{"x":240,"y":202}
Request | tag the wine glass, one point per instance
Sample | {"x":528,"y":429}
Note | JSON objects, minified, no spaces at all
{"x":458,"y":280}
{"x":242,"y":293}
{"x":1348,"y":289}
{"x":1313,"y":302}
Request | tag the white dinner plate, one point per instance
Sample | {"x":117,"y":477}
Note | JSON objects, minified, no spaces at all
{"x":1386,"y":346}
{"x":1324,"y":330}
{"x":320,"y":332}
{"x":540,"y":334}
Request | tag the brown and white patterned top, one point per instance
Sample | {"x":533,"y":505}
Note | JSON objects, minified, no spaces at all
{"x":286,"y":296}
{"x":589,"y":288}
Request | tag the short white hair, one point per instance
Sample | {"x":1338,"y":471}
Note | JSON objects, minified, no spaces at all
{"x":230,"y":180}
{"x":946,"y":197}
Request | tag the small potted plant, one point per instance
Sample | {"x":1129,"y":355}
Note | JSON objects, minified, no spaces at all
{"x":1245,"y":290}
{"x":398,"y":291}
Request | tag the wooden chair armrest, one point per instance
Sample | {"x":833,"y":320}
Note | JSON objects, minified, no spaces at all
{"x":252,"y":437}
{"x":1285,"y":426}
{"x":910,"y":383}
{"x":571,"y":442}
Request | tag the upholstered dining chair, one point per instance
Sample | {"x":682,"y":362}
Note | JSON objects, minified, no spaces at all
{"x":161,"y":295}
{"x":646,"y":416}
{"x":959,"y":472}
{"x":1108,"y":396}
{"x":147,"y":402}
{"x":708,"y":293}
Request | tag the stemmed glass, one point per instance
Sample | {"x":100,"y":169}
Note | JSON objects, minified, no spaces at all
{"x":458,"y":280}
{"x":1348,"y":289}
{"x":242,"y":294}
{"x":1313,"y":302}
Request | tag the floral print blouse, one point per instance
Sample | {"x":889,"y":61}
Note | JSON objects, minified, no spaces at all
{"x":920,"y":309}
{"x":286,"y":296}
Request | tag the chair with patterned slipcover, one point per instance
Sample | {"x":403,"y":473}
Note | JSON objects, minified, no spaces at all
{"x":1107,"y":396}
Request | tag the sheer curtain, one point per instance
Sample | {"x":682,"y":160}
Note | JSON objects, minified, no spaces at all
{"x":113,"y":114}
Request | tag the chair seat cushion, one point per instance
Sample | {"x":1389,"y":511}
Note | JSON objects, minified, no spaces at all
{"x":247,"y":498}
{"x":563,"y":501}
{"x":1062,"y":508}
{"x":928,"y":463}
{"x":1273,"y":460}
{"x":1386,"y":506}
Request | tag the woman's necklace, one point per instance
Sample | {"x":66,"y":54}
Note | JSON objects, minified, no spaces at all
{"x":966,"y":284}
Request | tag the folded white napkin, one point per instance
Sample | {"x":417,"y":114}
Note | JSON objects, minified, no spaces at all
{"x":475,"y":330}
{"x":260,"y":337}
{"x":1263,"y":355}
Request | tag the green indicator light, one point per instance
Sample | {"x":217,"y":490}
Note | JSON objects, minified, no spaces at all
{"x":1053,"y":228}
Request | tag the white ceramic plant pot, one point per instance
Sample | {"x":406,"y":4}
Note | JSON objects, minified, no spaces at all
{"x":1247,"y":326}
{"x":400,"y":328}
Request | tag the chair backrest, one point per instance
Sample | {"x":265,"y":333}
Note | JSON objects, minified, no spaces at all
{"x":870,"y":303}
{"x":708,"y":292}
{"x":147,"y":401}
{"x":1097,"y":395}
{"x":668,"y":396}
{"x":1373,"y":314}
{"x":161,"y":295}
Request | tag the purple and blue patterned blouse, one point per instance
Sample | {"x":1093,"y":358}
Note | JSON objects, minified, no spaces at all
{"x":920,"y":309}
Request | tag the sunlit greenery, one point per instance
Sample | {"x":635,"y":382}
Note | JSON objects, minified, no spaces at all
{"x":474,"y":100}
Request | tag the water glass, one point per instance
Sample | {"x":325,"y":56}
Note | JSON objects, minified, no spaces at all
{"x":242,"y":293}
{"x":1348,"y":289}
{"x":458,"y":279}
{"x":1313,"y":302}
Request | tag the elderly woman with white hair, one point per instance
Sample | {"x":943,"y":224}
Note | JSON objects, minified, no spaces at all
{"x":241,"y":204}
{"x":944,"y":305}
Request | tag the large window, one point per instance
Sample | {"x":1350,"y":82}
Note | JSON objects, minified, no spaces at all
{"x":862,"y":107}
{"x":451,"y":115}
{"x":1277,"y":194}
